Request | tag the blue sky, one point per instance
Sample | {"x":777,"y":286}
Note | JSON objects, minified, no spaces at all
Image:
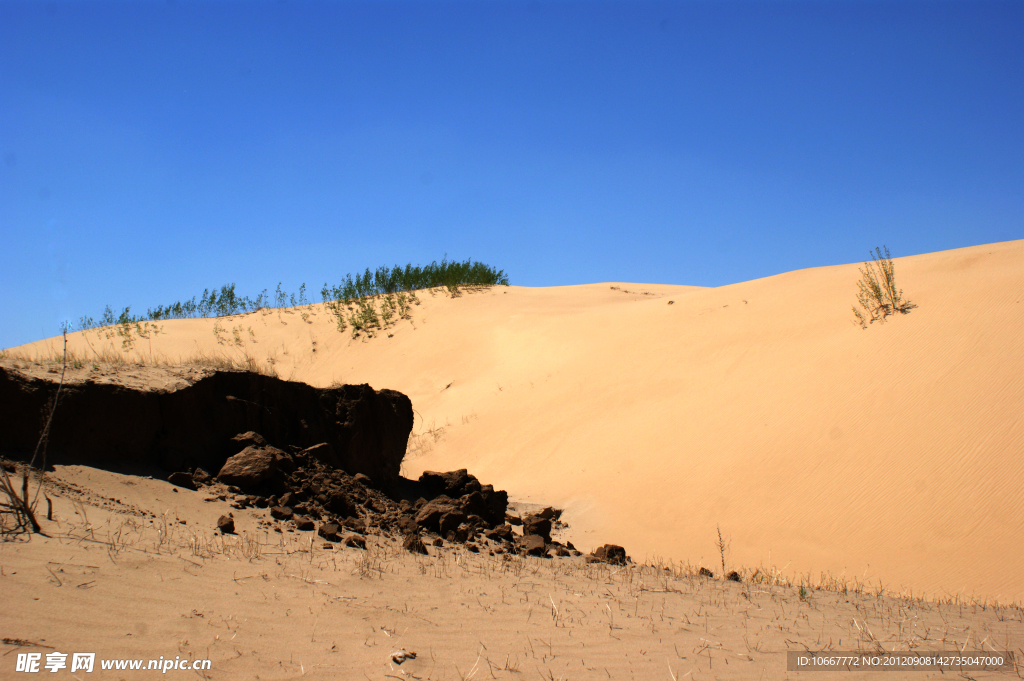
{"x":149,"y":150}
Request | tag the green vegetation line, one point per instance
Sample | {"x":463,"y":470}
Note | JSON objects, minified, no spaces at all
{"x":383,"y":281}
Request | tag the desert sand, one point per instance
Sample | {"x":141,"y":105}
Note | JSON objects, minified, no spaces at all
{"x":132,"y":571}
{"x":885,"y":459}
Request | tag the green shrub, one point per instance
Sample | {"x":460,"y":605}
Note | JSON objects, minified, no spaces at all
{"x":878,"y":295}
{"x":395,"y":281}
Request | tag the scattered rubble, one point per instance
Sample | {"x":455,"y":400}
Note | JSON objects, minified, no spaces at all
{"x":305,"y":490}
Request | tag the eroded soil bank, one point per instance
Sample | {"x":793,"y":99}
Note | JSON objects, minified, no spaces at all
{"x":180,"y":418}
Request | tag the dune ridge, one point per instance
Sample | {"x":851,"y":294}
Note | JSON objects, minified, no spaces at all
{"x":889,"y":455}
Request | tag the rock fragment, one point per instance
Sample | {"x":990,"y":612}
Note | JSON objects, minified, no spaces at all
{"x":329,"y":531}
{"x":281,"y":513}
{"x":413,"y":544}
{"x":532,"y":545}
{"x":250,"y":467}
{"x":611,"y":553}
{"x":536,"y":525}
{"x":183,"y":480}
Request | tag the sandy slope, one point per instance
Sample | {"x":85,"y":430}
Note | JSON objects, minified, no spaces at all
{"x":891,"y":454}
{"x":132,"y":569}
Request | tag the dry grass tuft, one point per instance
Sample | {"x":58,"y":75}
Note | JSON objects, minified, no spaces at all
{"x":18,"y":512}
{"x":110,"y":357}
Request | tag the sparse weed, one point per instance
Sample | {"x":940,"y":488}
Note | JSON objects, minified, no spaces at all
{"x":721,"y":546}
{"x":18,"y":511}
{"x":402,"y":300}
{"x":396,"y":284}
{"x":368,"y":314}
{"x":387,"y":309}
{"x":878,"y":295}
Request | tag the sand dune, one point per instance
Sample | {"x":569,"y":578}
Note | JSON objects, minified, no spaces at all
{"x":889,"y":455}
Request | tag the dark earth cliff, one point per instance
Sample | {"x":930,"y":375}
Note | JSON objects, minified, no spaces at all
{"x":111,"y":425}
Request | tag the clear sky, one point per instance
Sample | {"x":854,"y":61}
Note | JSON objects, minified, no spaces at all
{"x":149,"y":150}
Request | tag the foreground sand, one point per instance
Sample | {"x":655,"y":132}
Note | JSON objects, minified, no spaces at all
{"x":133,"y":569}
{"x":887,"y":458}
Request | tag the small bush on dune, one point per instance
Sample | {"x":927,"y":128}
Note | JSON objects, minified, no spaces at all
{"x":878,"y":295}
